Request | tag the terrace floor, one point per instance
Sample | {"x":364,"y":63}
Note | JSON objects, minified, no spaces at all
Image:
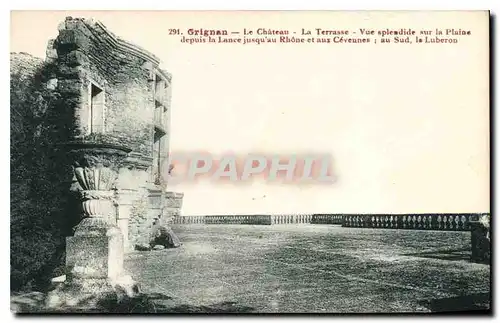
{"x":312,"y":268}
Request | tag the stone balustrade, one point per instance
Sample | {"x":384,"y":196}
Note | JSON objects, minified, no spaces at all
{"x":445,"y":222}
{"x":327,"y":219}
{"x":273,"y":219}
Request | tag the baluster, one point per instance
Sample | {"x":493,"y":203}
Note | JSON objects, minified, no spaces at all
{"x":463,"y":222}
{"x":466,"y":222}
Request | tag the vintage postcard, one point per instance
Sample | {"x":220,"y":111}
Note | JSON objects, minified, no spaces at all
{"x":326,"y":162}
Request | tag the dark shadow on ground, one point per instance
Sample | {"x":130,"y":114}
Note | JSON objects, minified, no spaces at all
{"x":454,"y":255}
{"x":157,"y":303}
{"x":474,"y":303}
{"x":153,"y":303}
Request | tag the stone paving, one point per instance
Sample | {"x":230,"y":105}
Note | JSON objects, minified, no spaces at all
{"x":312,"y":268}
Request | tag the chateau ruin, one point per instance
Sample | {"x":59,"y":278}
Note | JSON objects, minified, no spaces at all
{"x":105,"y":127}
{"x":120,"y":96}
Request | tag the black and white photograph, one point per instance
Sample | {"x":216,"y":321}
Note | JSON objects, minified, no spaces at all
{"x":250,"y":162}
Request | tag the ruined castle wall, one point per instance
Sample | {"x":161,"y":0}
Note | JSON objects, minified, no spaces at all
{"x":91,"y":60}
{"x":88,"y":54}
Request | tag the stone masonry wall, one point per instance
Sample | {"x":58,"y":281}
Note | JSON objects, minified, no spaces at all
{"x":173,"y":206}
{"x":88,"y":54}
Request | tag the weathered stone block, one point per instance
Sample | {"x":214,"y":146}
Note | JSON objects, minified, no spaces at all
{"x":76,"y":58}
{"x":87,"y":256}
